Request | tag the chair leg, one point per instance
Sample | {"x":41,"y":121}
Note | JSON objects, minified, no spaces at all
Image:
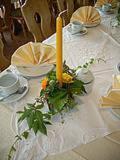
{"x":23,"y":27}
{"x":3,"y":37}
{"x":11,"y":34}
{"x":10,"y":29}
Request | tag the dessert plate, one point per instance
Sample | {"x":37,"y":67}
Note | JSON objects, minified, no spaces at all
{"x":35,"y":71}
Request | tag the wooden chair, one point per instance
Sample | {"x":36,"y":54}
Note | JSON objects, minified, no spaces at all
{"x":78,"y":4}
{"x":86,"y":2}
{"x":4,"y":24}
{"x":16,"y":15}
{"x":63,"y":5}
{"x":12,"y":15}
{"x":38,"y":19}
{"x":4,"y":63}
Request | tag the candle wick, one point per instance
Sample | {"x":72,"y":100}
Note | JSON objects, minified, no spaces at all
{"x":60,"y":14}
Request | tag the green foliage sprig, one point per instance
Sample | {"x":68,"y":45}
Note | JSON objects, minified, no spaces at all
{"x":57,"y":99}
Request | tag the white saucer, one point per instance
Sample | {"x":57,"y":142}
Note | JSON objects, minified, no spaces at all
{"x":69,"y":29}
{"x":111,"y":11}
{"x":35,"y":71}
{"x":16,"y":97}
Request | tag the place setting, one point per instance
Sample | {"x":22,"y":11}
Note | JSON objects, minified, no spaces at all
{"x":106,"y":7}
{"x":76,"y":28}
{"x":29,"y":61}
{"x":12,"y":87}
{"x":34,"y":59}
{"x":110,"y":97}
{"x":88,"y":16}
{"x":83,"y":18}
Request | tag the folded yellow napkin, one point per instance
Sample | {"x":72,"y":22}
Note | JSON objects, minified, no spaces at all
{"x":99,"y":3}
{"x":86,"y":15}
{"x":112,"y":99}
{"x":33,"y":54}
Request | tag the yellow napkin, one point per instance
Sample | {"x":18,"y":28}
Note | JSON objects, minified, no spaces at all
{"x":99,"y":3}
{"x":86,"y":15}
{"x":33,"y":54}
{"x":112,"y":99}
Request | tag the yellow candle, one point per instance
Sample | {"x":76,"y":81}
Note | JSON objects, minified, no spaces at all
{"x":59,"y":49}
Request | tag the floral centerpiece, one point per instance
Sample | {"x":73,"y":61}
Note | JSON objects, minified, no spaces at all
{"x":56,"y":98}
{"x":57,"y":94}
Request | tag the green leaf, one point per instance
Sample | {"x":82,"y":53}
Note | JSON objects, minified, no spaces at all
{"x":22,"y":117}
{"x":30,"y":119}
{"x":20,"y":112}
{"x":18,"y":137}
{"x":35,"y":126}
{"x":30,"y":105}
{"x":77,"y":87}
{"x":40,"y":106}
{"x":42,"y":127}
{"x":42,"y":93}
{"x":47,"y":122}
{"x":25,"y":134}
{"x":59,"y":99}
{"x":25,"y":114}
{"x":47,"y":116}
{"x":13,"y":148}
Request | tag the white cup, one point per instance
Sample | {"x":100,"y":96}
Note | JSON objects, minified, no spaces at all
{"x":76,"y":26}
{"x":9,"y":84}
{"x":106,"y":7}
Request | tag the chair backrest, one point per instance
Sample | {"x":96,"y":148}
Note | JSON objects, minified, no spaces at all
{"x":66,"y":4}
{"x":3,"y":61}
{"x":6,"y":8}
{"x":1,"y":48}
{"x":38,"y":18}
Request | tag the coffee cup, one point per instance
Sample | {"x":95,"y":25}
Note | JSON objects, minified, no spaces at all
{"x":106,"y":7}
{"x":76,"y":26}
{"x":9,"y":84}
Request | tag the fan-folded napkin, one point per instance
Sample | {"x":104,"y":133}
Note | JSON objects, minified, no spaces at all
{"x":34,"y":54}
{"x":86,"y":15}
{"x":112,"y":99}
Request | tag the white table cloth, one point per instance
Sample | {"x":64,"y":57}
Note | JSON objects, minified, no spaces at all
{"x":87,"y":122}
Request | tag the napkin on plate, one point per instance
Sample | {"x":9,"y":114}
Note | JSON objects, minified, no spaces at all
{"x":86,"y":15}
{"x":99,"y":3}
{"x":112,"y":99}
{"x":34,"y":54}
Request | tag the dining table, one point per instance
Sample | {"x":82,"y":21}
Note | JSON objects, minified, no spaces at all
{"x":89,"y":132}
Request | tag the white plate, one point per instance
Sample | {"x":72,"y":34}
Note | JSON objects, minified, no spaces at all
{"x":69,"y":29}
{"x":16,"y":97}
{"x":91,"y":25}
{"x":116,"y":112}
{"x":35,"y":71}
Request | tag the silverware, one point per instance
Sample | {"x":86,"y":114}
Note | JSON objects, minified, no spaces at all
{"x":21,"y":90}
